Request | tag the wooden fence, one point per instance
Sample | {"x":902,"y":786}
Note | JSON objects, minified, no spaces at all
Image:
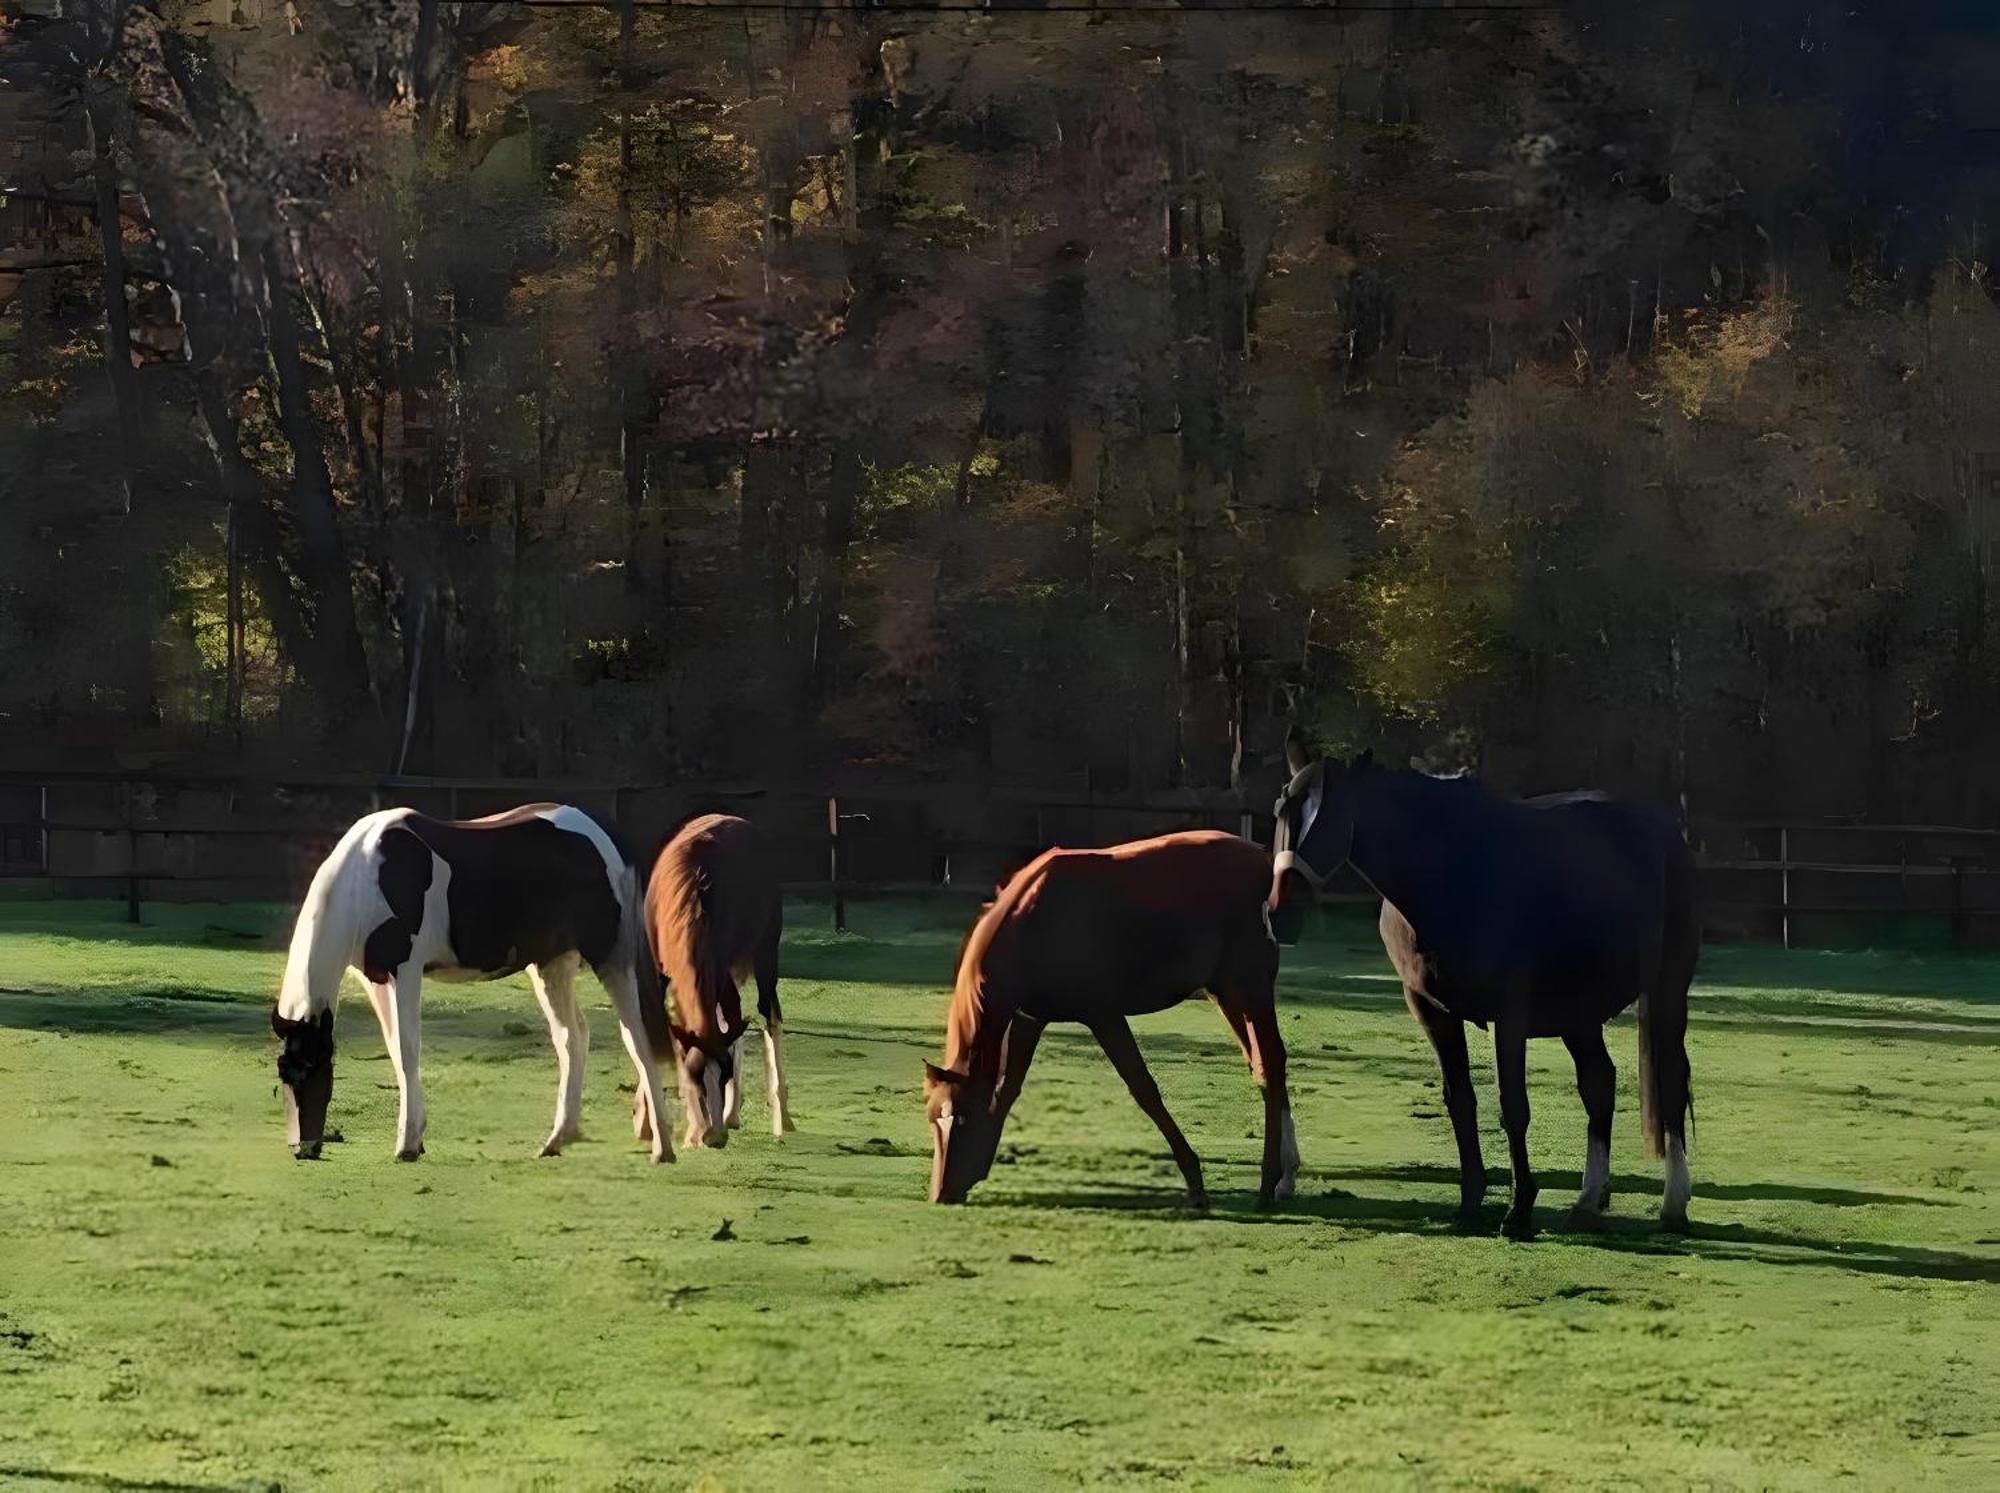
{"x":189,"y":837}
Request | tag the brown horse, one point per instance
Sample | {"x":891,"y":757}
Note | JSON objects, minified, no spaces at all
{"x":714,"y":914}
{"x":1095,"y":936}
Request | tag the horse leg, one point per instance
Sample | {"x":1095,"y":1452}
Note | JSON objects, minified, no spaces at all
{"x":1447,"y":1034}
{"x":771,"y":1016}
{"x":405,"y":1000}
{"x":1597,"y":1086}
{"x":732,"y":1092}
{"x":1281,"y":1146}
{"x":555,"y":988}
{"x":1510,"y":1056}
{"x":1114,"y":1035}
{"x":623,"y":988}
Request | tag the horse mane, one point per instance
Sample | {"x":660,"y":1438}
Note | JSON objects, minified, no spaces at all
{"x":969,"y":997}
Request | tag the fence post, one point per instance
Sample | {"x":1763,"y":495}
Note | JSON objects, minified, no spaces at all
{"x":833,"y":867}
{"x":1957,"y":901}
{"x":1245,"y":826}
{"x":131,"y":856}
{"x":1785,"y":885}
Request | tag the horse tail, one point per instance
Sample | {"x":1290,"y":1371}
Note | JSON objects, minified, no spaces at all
{"x":1666,"y":1101}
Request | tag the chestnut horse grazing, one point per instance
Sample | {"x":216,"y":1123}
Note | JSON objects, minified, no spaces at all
{"x":1096,"y":936}
{"x":1545,"y":917}
{"x":540,"y":888}
{"x":714,"y":914}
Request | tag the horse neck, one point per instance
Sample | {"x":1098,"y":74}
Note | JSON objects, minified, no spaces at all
{"x":1400,"y":846}
{"x":980,"y":1015}
{"x":325,"y":939}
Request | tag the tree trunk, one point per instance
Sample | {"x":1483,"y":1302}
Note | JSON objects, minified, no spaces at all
{"x":117,"y":317}
{"x":323,"y":558}
{"x":842,"y":488}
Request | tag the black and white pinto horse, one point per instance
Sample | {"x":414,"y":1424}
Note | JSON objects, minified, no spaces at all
{"x":543,"y":888}
{"x":1543,"y":918}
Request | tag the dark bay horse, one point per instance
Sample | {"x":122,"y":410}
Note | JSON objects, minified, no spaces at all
{"x":541,"y":888}
{"x":714,"y":915}
{"x":1096,"y":936}
{"x":1543,"y":918}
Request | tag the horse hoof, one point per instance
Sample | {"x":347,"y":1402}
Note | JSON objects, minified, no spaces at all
{"x":661,"y":1158}
{"x":551,"y":1148}
{"x":411,"y":1155}
{"x":1518,"y":1224}
{"x":1582,"y":1220}
{"x":1674,"y":1223}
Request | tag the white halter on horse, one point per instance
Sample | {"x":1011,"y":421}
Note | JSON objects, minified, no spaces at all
{"x":543,"y":888}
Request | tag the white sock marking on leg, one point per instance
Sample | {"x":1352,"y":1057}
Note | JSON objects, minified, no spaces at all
{"x":774,"y":1075}
{"x":1596,"y":1173}
{"x":1674,"y":1206}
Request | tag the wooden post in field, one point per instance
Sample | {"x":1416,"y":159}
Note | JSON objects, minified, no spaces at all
{"x":833,"y":867}
{"x":131,"y":856}
{"x":1785,"y":885}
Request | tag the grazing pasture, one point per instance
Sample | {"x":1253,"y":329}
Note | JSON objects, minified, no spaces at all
{"x":183,"y":1305}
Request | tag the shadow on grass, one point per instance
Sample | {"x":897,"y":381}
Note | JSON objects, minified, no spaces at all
{"x":142,"y":1013}
{"x":1628,"y":1184}
{"x":30,"y":1476}
{"x":1623,"y":1235}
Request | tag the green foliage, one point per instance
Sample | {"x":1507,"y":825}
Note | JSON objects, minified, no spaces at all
{"x":196,"y":627}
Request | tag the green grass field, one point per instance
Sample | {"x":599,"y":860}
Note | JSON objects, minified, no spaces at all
{"x":182,"y":1305}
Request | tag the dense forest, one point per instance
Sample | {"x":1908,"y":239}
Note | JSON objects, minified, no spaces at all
{"x":1592,"y":394}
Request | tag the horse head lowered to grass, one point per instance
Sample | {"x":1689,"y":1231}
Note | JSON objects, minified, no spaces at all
{"x":541,"y":888}
{"x":714,"y":914}
{"x":1097,"y":936}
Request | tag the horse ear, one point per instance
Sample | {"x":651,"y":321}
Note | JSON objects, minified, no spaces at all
{"x":1296,"y":757}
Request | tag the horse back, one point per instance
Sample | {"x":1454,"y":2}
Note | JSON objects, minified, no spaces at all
{"x":523,"y":887}
{"x":712,"y":904}
{"x":1145,"y":924}
{"x":1563,"y":902}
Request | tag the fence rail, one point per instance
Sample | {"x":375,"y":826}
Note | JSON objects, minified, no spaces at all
{"x":168,"y":833}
